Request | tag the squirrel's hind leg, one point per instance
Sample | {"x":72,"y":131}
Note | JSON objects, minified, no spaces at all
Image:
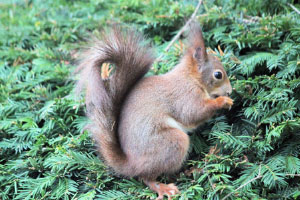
{"x":173,"y":145}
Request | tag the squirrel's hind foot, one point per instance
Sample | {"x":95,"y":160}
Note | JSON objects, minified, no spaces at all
{"x":163,"y":189}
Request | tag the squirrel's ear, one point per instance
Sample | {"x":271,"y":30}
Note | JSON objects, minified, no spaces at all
{"x":196,"y":43}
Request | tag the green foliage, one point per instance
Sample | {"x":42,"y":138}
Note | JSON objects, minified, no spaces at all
{"x":250,"y":152}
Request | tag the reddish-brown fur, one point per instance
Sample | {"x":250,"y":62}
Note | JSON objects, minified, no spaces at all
{"x":140,"y":124}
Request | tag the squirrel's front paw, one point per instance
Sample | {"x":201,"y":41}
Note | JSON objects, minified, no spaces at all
{"x":224,"y":102}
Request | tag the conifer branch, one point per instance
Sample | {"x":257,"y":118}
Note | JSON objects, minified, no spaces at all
{"x":292,"y":175}
{"x":205,"y":171}
{"x":248,"y":182}
{"x":294,"y":8}
{"x":248,"y":19}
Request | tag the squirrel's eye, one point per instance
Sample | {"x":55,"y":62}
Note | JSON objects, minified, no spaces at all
{"x":218,"y":75}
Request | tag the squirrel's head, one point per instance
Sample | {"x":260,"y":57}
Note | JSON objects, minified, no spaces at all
{"x":208,"y":69}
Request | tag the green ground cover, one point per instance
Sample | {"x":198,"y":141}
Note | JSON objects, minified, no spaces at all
{"x":44,"y":152}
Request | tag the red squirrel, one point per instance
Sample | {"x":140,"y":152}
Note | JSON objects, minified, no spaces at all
{"x":140,"y":123}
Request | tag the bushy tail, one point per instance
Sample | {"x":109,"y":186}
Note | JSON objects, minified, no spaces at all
{"x":131,"y":59}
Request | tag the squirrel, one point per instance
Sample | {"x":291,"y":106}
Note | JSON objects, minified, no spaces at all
{"x":139,"y":123}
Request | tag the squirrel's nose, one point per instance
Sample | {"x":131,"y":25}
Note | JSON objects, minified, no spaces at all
{"x":229,"y":92}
